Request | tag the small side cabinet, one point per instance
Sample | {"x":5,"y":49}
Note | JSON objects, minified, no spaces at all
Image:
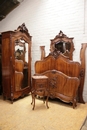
{"x":16,"y":63}
{"x":40,"y":87}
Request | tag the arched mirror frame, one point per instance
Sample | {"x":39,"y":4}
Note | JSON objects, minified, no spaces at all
{"x":83,"y":68}
{"x":61,"y":37}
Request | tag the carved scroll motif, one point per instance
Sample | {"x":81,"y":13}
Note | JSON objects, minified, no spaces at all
{"x":53,"y":82}
{"x":22,"y":28}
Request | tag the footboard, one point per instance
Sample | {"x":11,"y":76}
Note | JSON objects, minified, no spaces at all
{"x":62,"y":86}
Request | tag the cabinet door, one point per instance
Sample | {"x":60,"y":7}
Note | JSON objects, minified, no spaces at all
{"x":19,"y":66}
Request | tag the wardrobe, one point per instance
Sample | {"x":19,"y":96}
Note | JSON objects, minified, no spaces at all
{"x":16,"y":63}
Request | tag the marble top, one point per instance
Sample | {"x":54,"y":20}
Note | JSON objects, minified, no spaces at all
{"x":39,"y":77}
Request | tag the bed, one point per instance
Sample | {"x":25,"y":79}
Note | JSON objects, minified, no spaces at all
{"x":63,"y":73}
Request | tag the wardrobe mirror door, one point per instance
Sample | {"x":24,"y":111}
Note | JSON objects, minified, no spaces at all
{"x":21,"y":64}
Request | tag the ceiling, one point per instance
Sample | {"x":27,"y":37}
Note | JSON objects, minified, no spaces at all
{"x":6,"y":6}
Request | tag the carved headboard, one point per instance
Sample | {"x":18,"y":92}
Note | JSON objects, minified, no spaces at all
{"x":59,"y":63}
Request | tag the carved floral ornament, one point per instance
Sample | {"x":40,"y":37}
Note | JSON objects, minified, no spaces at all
{"x":22,"y":28}
{"x":61,"y":34}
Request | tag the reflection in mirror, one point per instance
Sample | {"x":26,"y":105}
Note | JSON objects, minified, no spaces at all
{"x":21,"y":64}
{"x":21,"y":51}
{"x":63,"y":46}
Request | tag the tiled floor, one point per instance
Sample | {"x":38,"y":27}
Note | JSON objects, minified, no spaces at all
{"x":59,"y":116}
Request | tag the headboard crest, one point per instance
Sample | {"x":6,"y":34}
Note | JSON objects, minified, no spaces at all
{"x":63,"y":44}
{"x":61,"y":34}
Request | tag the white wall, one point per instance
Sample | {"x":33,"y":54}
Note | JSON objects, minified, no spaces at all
{"x":45,"y":18}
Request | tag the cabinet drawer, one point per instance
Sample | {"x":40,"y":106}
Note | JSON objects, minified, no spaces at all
{"x":40,"y":85}
{"x":41,"y":81}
